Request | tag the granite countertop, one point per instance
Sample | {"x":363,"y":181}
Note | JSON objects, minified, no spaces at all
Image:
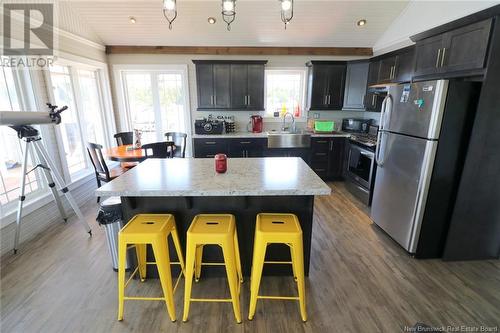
{"x":237,"y":135}
{"x":269,"y":176}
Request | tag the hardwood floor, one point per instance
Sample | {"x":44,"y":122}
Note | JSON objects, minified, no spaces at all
{"x":360,"y":281}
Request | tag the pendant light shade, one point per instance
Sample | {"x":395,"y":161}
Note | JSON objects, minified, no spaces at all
{"x":170,"y":11}
{"x":228,"y":12}
{"x":286,"y":11}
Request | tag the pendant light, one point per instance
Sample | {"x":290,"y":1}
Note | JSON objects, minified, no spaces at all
{"x":170,"y":11}
{"x":286,"y":11}
{"x":228,"y":12}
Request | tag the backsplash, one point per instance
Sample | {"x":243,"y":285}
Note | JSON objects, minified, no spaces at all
{"x":241,"y":118}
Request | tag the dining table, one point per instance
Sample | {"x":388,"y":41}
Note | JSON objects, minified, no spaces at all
{"x":125,"y":153}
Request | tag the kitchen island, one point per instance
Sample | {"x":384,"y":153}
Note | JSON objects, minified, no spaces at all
{"x":186,"y":187}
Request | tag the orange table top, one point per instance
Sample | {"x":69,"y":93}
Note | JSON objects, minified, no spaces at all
{"x":121,"y":154}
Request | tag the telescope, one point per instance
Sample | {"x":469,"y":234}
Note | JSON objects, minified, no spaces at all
{"x":23,"y":118}
{"x":22,"y":122}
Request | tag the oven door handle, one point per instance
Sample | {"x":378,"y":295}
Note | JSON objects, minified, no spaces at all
{"x":365,"y":153}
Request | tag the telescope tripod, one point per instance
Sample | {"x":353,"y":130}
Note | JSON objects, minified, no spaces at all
{"x":33,"y":141}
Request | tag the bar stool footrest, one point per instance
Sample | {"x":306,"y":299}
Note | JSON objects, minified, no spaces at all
{"x":287,"y":298}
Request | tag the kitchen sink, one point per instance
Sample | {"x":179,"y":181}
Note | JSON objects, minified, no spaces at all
{"x":288,"y":139}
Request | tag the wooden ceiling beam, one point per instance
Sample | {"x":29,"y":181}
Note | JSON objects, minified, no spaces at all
{"x":240,"y":50}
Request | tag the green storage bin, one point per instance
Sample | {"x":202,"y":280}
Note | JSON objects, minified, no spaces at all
{"x":324,"y":126}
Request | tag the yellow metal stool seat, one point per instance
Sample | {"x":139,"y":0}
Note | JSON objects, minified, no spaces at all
{"x":150,"y":229}
{"x":213,"y":229}
{"x":272,"y":228}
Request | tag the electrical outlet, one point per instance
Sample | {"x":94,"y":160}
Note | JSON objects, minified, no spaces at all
{"x":316,"y":115}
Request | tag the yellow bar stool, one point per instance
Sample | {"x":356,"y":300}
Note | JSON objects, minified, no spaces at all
{"x":151,"y":229}
{"x":283,"y":229}
{"x":213,"y":229}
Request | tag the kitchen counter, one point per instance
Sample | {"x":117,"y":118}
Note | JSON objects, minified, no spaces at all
{"x":187,"y":187}
{"x":197,"y":177}
{"x":237,"y":135}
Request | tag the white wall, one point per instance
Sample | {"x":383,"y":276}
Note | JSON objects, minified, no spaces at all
{"x":420,"y":16}
{"x":241,"y":117}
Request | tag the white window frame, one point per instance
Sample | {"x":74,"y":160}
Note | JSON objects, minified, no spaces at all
{"x":27,"y":102}
{"x":125,"y":116}
{"x":303,"y":72}
{"x":74,"y":63}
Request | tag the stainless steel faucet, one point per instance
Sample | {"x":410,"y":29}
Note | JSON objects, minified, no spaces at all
{"x":284,"y":127}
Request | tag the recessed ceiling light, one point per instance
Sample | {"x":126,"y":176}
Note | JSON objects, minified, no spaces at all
{"x":212,"y":20}
{"x":361,"y":23}
{"x":132,"y":20}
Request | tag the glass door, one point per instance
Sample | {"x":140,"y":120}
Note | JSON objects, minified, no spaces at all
{"x":155,"y":103}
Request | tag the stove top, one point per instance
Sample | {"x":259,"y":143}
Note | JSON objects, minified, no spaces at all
{"x":365,"y":139}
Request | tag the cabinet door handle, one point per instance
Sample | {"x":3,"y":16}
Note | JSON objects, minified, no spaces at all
{"x":210,"y":142}
{"x":210,"y":155}
{"x":245,"y":100}
{"x":393,"y":71}
{"x":248,"y":100}
{"x":321,"y":141}
{"x":215,"y":100}
{"x":373,"y":100}
{"x":442,"y":57}
{"x":320,"y":154}
{"x":245,"y":142}
{"x":326,"y":100}
{"x":329,"y":99}
{"x":437,"y":59}
{"x":331,"y":145}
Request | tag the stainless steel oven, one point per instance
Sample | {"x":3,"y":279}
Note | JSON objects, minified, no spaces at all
{"x":360,"y":171}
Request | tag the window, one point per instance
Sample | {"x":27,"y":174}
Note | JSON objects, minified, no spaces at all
{"x":155,"y":102}
{"x":16,"y":94}
{"x":79,"y":88}
{"x":285,"y":90}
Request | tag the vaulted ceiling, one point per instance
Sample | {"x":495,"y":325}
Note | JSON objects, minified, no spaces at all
{"x":315,"y":23}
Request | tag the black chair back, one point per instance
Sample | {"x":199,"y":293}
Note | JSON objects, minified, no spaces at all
{"x":159,"y":149}
{"x":97,"y":159}
{"x":124,"y":138}
{"x":179,"y":140}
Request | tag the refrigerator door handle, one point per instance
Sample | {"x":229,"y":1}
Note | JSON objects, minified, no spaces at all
{"x":379,"y":162}
{"x":386,"y":108}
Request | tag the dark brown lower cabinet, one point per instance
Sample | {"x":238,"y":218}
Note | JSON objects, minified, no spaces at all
{"x":327,"y":156}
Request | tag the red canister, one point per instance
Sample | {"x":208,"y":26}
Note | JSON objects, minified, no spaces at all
{"x":220,"y":163}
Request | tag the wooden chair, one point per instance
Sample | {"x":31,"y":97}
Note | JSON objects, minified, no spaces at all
{"x":179,"y":140}
{"x":124,"y":138}
{"x":102,"y":173}
{"x":159,"y":149}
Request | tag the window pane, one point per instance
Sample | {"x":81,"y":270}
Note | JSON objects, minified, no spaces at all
{"x":63,"y":94}
{"x":284,"y":89}
{"x":91,"y":106}
{"x":171,"y":102}
{"x":140,"y":104}
{"x":11,"y":156}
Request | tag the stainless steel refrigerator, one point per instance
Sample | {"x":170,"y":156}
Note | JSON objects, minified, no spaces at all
{"x":411,"y":122}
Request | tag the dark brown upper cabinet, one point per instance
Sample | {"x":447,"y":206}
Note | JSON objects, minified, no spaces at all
{"x":373,"y":70}
{"x":230,"y":85}
{"x":405,"y":65}
{"x":460,"y":50}
{"x":387,"y":68}
{"x":326,"y":82}
{"x":395,"y":67}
